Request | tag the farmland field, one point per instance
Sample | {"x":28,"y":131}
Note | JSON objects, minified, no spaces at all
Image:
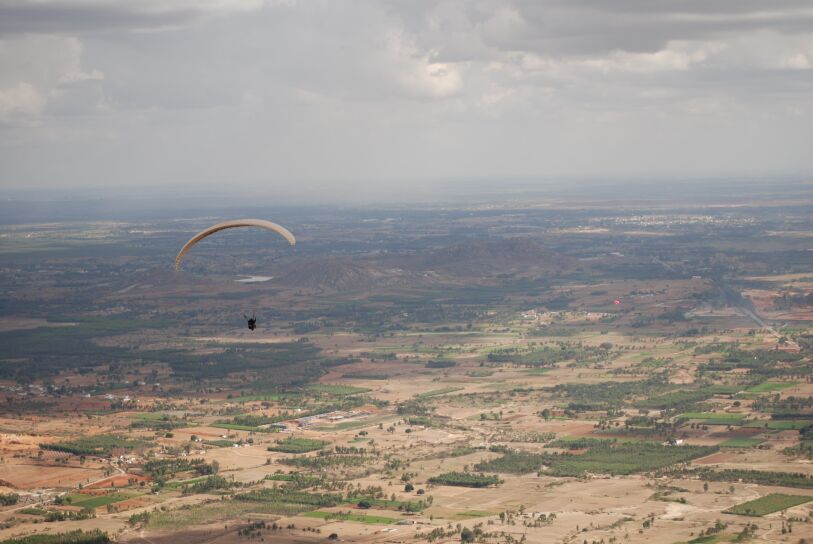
{"x":769,"y":504}
{"x":741,"y":443}
{"x":711,"y":418}
{"x":770,"y":387}
{"x":348,"y":516}
{"x":438,"y":392}
{"x":298,"y":445}
{"x":86,"y":501}
{"x":780,"y":424}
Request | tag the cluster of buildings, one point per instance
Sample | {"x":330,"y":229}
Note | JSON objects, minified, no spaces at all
{"x":327,"y":417}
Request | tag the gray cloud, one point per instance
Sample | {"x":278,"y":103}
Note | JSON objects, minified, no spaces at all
{"x":347,"y":94}
{"x":91,"y":16}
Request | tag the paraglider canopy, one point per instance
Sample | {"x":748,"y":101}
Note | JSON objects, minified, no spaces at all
{"x":262,"y":223}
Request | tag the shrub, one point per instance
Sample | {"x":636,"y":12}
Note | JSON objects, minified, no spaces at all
{"x":465,"y":479}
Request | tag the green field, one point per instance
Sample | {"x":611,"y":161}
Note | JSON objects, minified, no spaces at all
{"x":780,"y":424}
{"x":768,"y":504}
{"x":180,"y":483}
{"x":345,"y":425}
{"x":222,"y":443}
{"x":770,"y":387}
{"x":474,"y":514}
{"x":714,"y":418}
{"x":536,"y":371}
{"x":298,"y":445}
{"x":96,"y":445}
{"x":33,"y":511}
{"x":622,"y":458}
{"x":299,"y":480}
{"x":480,"y":373}
{"x":707,"y":539}
{"x":237,"y":427}
{"x":336,"y":389}
{"x":742,"y":443}
{"x":465,"y":479}
{"x":348,"y":516}
{"x":437,"y":392}
{"x":90,"y":501}
{"x":408,"y":506}
{"x":150,"y":416}
{"x":513,"y":462}
{"x":260,"y":397}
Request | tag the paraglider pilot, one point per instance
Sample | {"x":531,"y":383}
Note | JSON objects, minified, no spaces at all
{"x":252,"y":322}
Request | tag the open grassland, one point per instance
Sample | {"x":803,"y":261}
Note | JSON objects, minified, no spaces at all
{"x":192,"y":515}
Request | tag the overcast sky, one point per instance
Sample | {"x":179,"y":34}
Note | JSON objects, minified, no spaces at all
{"x":343,"y":95}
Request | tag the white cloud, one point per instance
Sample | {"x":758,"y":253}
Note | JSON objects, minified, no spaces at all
{"x":415,"y":72}
{"x":798,"y":61}
{"x":78,"y":75}
{"x":36,"y":68}
{"x":20,"y":99}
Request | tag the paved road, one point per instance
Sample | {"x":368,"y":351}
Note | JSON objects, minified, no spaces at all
{"x":735,"y":299}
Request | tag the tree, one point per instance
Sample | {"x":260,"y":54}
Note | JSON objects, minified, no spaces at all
{"x":466,"y":535}
{"x":409,"y":487}
{"x":365,"y":503}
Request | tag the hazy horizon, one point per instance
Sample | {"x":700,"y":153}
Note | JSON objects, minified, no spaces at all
{"x":132,"y":202}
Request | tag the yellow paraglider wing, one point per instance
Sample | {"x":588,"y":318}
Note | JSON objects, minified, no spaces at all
{"x":285,"y":233}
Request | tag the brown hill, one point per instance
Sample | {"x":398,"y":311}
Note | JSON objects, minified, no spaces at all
{"x":337,"y":274}
{"x":441,"y":266}
{"x":487,"y":256}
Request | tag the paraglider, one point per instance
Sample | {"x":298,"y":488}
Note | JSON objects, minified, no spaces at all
{"x":262,"y":223}
{"x":285,"y":233}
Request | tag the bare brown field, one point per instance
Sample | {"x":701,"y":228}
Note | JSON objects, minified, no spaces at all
{"x":23,"y":476}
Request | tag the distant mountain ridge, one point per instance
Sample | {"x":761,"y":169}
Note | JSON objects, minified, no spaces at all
{"x":481,"y":258}
{"x":485,"y":256}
